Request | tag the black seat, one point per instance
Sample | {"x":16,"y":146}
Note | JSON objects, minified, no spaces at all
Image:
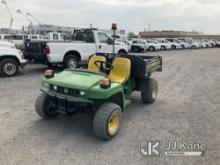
{"x":138,"y":66}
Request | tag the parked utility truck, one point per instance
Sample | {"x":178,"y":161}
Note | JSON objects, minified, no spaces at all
{"x":72,"y":53}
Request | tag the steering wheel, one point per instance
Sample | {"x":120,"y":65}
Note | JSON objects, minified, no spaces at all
{"x":104,"y":66}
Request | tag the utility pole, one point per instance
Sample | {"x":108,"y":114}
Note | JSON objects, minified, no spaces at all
{"x":31,"y":24}
{"x":149,"y":27}
{"x":10,"y":14}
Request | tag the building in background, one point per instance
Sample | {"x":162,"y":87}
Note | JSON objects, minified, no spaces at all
{"x":176,"y":34}
{"x":43,"y":29}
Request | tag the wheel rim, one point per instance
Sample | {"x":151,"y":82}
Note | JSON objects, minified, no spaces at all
{"x":72,"y":63}
{"x":154,"y":93}
{"x":113,"y":124}
{"x":9,"y":68}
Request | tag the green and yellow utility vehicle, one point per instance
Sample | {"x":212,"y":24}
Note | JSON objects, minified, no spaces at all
{"x":105,"y":89}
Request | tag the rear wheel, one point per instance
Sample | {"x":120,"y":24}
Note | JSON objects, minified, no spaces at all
{"x":151,"y":48}
{"x":44,"y":107}
{"x":149,"y":90}
{"x":122,"y":52}
{"x":107,"y":121}
{"x":71,"y":61}
{"x":193,"y":47}
{"x":163,"y":48}
{"x":9,"y":67}
{"x":174,"y":47}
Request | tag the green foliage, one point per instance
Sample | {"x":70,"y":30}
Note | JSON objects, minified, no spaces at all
{"x":131,"y":34}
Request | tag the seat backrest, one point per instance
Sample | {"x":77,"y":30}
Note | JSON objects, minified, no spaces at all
{"x":92,"y":66}
{"x":121,"y":70}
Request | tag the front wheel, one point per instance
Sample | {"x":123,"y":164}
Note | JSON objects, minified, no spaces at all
{"x":107,"y":121}
{"x":151,"y":48}
{"x":44,"y":107}
{"x":9,"y":67}
{"x":149,"y":90}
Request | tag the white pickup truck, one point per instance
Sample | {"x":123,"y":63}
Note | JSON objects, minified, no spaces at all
{"x":10,"y":59}
{"x":72,"y":53}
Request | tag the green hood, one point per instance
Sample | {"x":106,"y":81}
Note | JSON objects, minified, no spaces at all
{"x":75,"y":79}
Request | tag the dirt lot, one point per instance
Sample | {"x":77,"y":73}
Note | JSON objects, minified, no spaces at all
{"x":188,"y":109}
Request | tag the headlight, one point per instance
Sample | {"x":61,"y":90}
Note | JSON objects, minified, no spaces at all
{"x":21,"y":54}
{"x":82,"y":93}
{"x":55,"y":87}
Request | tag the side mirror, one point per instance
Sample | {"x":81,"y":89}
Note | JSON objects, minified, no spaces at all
{"x":110,"y":41}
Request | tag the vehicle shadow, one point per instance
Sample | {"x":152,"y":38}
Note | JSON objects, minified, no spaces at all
{"x":80,"y":126}
{"x":74,"y":127}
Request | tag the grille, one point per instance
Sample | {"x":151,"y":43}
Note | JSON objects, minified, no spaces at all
{"x":65,"y":91}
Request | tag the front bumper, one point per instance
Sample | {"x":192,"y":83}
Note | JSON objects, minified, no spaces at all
{"x":157,"y":47}
{"x":168,"y":47}
{"x":23,"y":62}
{"x":66,"y":104}
{"x":65,"y":97}
{"x":179,"y":47}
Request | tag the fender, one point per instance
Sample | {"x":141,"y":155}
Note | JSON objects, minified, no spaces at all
{"x":10,"y":56}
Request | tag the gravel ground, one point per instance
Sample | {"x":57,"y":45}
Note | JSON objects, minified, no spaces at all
{"x":187,"y":109}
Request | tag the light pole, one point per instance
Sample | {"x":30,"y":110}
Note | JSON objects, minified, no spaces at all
{"x":34,"y":18}
{"x":9,"y":12}
{"x":31,"y":24}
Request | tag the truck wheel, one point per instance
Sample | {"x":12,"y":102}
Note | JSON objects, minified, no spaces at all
{"x":9,"y":67}
{"x":44,"y":108}
{"x":163,"y":48}
{"x":122,"y":52}
{"x":149,"y":90}
{"x":151,"y":48}
{"x":71,"y":61}
{"x":107,"y":121}
{"x":173,"y":47}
